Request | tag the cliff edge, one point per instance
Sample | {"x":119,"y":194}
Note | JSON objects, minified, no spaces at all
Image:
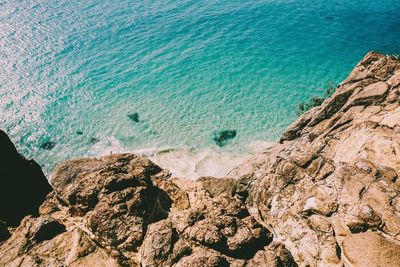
{"x":326,"y":195}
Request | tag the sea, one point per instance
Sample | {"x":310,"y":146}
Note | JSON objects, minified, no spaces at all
{"x":165,"y":78}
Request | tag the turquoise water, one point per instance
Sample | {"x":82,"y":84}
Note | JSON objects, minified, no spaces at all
{"x":188,"y":68}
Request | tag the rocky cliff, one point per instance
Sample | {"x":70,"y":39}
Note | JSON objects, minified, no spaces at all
{"x":23,"y":184}
{"x":326,"y":195}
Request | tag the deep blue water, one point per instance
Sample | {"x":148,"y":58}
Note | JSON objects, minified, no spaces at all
{"x":188,"y":68}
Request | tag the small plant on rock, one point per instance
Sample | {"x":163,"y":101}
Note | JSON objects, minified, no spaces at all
{"x":316,"y":100}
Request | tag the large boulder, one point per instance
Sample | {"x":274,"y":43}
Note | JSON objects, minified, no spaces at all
{"x":23,"y":184}
{"x":114,"y":198}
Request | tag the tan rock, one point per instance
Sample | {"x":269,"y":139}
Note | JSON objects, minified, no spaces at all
{"x":369,"y":94}
{"x":395,"y":79}
{"x":201,"y":259}
{"x":391,"y":119}
{"x":319,"y":223}
{"x":370,"y":249}
{"x":272,"y":256}
{"x":45,"y":242}
{"x":338,"y":174}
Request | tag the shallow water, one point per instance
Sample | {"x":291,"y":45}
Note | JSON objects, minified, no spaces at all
{"x":188,"y":68}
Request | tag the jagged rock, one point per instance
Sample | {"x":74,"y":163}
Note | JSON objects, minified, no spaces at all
{"x":335,"y":173}
{"x":216,"y":230}
{"x":179,"y":198}
{"x":23,"y":184}
{"x":131,"y":212}
{"x":162,"y":246}
{"x":115,"y":195}
{"x":45,"y":228}
{"x":203,"y":259}
{"x":217,"y":186}
{"x":368,"y":95}
{"x":274,"y":255}
{"x":61,"y":248}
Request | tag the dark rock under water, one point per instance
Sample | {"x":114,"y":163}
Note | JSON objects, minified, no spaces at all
{"x":49,"y":145}
{"x":134,"y":117}
{"x":221,"y":138}
{"x":94,"y":140}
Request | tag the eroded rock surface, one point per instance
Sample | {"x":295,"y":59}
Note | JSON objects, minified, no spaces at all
{"x":326,"y":195}
{"x":330,"y":188}
{"x":123,"y":210}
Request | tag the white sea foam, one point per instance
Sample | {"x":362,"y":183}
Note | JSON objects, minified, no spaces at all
{"x":106,"y":146}
{"x":191,"y":164}
{"x":185,"y":162}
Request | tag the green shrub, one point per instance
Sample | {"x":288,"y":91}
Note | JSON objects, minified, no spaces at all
{"x":315,"y":100}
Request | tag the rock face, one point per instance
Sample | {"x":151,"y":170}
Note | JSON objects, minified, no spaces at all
{"x":123,"y":210}
{"x":326,"y":195}
{"x":23,"y":184}
{"x":330,"y":189}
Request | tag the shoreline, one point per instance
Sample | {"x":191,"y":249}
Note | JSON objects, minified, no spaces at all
{"x":189,"y":162}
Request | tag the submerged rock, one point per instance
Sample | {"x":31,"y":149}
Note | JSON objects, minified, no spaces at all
{"x":221,"y":138}
{"x":134,"y":117}
{"x":49,"y":145}
{"x":94,"y":140}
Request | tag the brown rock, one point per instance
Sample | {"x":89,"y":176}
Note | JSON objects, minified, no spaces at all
{"x":319,"y":223}
{"x":273,"y":256}
{"x":217,"y":186}
{"x":369,"y":94}
{"x":116,"y":196}
{"x":158,"y":245}
{"x":370,"y":249}
{"x":179,"y":198}
{"x":45,"y":242}
{"x":338,"y":174}
{"x":202,"y":260}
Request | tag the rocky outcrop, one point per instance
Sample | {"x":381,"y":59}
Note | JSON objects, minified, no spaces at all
{"x":123,"y":210}
{"x":23,"y":184}
{"x":326,"y":195}
{"x":329,"y":190}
